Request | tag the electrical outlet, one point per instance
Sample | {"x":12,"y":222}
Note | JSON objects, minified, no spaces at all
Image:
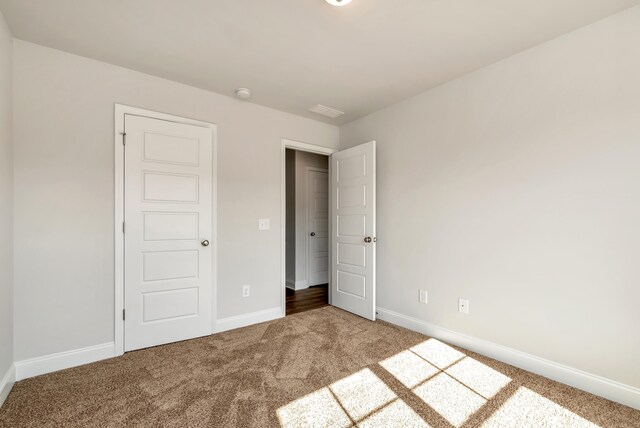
{"x":463,"y":306}
{"x":263,"y":224}
{"x":423,"y":296}
{"x":246,"y":290}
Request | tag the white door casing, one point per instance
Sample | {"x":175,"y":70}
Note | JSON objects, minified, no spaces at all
{"x":168,"y":219}
{"x":353,"y":236}
{"x":317,"y":227}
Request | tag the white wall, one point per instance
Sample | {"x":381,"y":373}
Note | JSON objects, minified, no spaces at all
{"x":64,"y":156}
{"x":518,"y":187}
{"x":303,"y":161}
{"x":6,"y":200}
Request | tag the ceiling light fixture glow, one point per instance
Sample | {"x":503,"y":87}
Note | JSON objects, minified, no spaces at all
{"x":338,"y":2}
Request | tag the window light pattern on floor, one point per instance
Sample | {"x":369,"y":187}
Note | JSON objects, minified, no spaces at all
{"x":527,"y":409}
{"x":362,"y":398}
{"x":362,"y":393}
{"x":410,"y":369}
{"x":451,"y":383}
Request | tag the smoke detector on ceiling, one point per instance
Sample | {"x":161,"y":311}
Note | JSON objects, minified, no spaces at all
{"x":243,"y":93}
{"x":338,"y":2}
{"x":326,"y":111}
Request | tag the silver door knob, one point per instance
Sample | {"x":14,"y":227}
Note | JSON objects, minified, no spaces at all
{"x":313,"y":234}
{"x":368,"y":239}
{"x":205,"y":243}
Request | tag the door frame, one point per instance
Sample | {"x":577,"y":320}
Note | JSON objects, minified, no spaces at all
{"x":120,"y":110}
{"x":303,"y":147}
{"x":307,"y":253}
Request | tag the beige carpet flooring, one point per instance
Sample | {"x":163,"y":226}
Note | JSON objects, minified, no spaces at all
{"x":319,"y":368}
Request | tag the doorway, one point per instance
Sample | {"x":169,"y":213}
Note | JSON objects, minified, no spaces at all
{"x":351,"y":225}
{"x":306,"y":230}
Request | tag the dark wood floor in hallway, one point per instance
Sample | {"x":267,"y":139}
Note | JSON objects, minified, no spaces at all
{"x":308,"y":299}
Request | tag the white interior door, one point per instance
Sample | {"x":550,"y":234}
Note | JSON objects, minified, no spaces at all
{"x":353,"y":242}
{"x":168,"y":218}
{"x":317,"y":227}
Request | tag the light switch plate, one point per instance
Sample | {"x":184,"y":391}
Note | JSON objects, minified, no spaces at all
{"x":263,"y":224}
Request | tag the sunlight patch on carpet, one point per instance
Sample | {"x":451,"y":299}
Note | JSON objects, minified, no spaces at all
{"x":396,"y":414}
{"x":528,"y":408}
{"x":409,"y":369}
{"x":437,"y":353}
{"x":362,"y":393}
{"x":361,"y":398}
{"x":452,"y":400}
{"x":456,"y":393}
{"x":481,"y":378}
{"x":451,"y":383}
{"x":316,"y":409}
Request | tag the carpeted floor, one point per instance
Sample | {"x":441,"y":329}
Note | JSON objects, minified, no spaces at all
{"x":319,"y":368}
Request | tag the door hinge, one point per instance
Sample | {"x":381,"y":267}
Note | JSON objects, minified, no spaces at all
{"x":123,"y":227}
{"x":124,"y":138}
{"x":123,"y":315}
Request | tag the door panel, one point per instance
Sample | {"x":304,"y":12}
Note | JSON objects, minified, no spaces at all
{"x":163,"y":226}
{"x":353,"y":211}
{"x":317,"y":223}
{"x":350,"y":254}
{"x":352,"y":196}
{"x":163,"y":265}
{"x":165,"y":187}
{"x":164,"y":305}
{"x":351,"y":225}
{"x":352,"y":284}
{"x":168,"y":212}
{"x":171,"y":149}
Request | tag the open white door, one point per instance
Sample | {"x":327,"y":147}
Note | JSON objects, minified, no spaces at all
{"x":353,"y":242}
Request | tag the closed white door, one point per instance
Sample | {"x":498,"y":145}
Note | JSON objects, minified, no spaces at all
{"x":353,"y":241}
{"x":168,"y":218}
{"x":318,"y":227}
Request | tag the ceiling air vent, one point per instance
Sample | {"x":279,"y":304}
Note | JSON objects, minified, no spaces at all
{"x":326,"y":111}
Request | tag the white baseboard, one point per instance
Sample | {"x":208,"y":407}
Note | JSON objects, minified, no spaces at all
{"x":290,"y":284}
{"x":232,"y":323}
{"x":63,"y":360}
{"x":598,"y":385}
{"x":6,"y":383}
